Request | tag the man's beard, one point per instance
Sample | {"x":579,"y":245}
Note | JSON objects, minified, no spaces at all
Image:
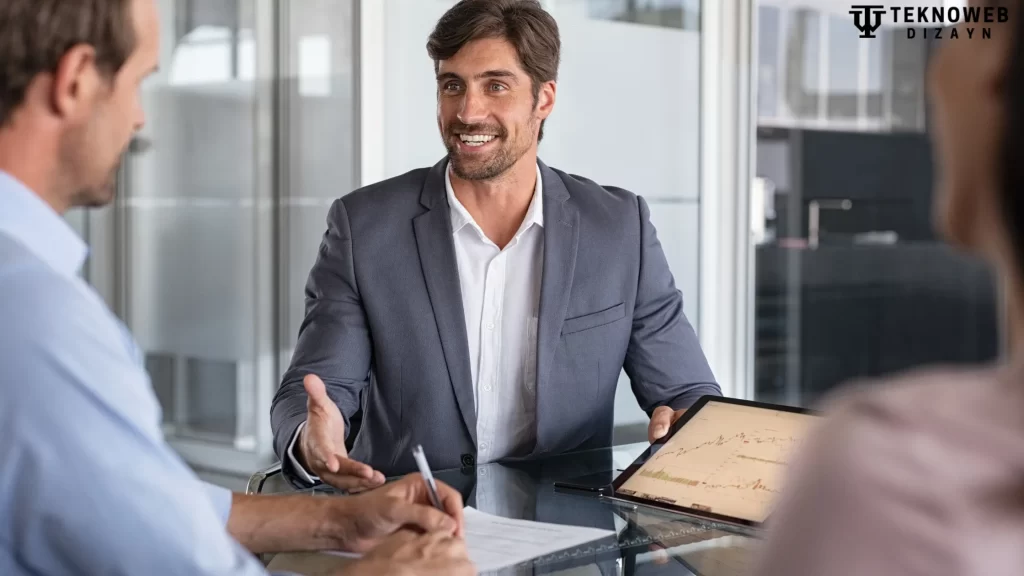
{"x":98,"y":196}
{"x":84,"y":161}
{"x":489,"y":168}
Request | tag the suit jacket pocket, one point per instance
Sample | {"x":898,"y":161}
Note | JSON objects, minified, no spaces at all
{"x":588,"y":321}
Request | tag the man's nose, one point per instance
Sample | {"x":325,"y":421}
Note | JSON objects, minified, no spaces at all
{"x":473,"y":109}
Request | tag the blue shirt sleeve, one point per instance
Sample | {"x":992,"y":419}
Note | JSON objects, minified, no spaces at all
{"x":87,"y":483}
{"x":221,"y":500}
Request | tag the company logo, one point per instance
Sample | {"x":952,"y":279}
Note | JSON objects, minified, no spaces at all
{"x":867,"y":19}
{"x":934,"y":22}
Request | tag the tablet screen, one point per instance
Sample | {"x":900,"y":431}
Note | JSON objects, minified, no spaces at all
{"x":728,"y":459}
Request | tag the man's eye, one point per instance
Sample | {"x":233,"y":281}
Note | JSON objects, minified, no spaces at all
{"x":497,"y":87}
{"x":451,"y":86}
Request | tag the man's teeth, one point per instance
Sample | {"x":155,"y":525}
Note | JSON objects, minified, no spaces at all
{"x":476,"y":139}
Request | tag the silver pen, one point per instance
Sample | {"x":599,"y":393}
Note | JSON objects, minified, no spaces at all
{"x":428,"y":478}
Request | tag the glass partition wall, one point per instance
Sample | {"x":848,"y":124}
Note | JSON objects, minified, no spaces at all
{"x":251,"y":133}
{"x":265,"y":111}
{"x":849,"y":279}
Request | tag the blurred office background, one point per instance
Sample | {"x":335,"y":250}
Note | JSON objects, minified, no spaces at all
{"x":785,"y":160}
{"x":850,"y":278}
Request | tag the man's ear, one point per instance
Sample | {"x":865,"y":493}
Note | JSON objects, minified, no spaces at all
{"x":546,"y":99}
{"x":75,"y":82}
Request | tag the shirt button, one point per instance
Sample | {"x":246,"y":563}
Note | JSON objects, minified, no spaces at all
{"x":490,"y":325}
{"x":483,"y":445}
{"x":487,"y":388}
{"x":483,"y":471}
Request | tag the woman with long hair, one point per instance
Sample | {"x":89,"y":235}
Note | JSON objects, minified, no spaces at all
{"x":924,"y":474}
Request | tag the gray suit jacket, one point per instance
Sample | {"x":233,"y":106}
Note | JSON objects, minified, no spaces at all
{"x":384,"y":325}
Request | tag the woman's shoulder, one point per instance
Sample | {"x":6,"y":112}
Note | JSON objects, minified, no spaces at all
{"x":931,"y":399}
{"x":896,"y":465}
{"x":918,"y":425}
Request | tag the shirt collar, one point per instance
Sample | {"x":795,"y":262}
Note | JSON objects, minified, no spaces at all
{"x":33,"y":223}
{"x":461,"y":217}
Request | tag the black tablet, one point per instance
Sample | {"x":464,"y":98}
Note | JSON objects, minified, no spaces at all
{"x":724,"y":460}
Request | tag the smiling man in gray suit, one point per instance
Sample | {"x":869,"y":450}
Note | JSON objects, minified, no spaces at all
{"x":485,"y":306}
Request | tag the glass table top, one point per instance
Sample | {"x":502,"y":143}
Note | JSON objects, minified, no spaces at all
{"x":646,"y":540}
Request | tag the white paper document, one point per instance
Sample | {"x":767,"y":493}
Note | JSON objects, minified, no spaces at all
{"x":494,"y":542}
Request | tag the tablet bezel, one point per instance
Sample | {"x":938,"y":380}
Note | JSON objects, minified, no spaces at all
{"x":653,"y":449}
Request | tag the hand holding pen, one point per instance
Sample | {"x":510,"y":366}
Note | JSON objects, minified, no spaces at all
{"x":399,"y":530}
{"x":428,"y":476}
{"x":440,"y":496}
{"x":401,"y":506}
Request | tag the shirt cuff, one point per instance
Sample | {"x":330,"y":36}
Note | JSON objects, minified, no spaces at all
{"x":301,"y":472}
{"x":221,"y":500}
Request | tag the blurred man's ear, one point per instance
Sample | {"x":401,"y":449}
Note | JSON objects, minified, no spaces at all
{"x":76,"y":83}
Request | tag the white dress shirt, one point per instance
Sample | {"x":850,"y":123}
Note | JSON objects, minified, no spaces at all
{"x":500,"y":300}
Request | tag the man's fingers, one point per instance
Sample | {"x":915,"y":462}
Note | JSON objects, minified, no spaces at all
{"x":332,"y":463}
{"x":348,"y":483}
{"x":336,"y":469}
{"x":348,"y":467}
{"x":413,"y":489}
{"x":442,"y":545}
{"x":678,"y":414}
{"x":360,"y":485}
{"x":452,"y":503}
{"x":426,"y":518}
{"x":392,"y":543}
{"x":315,"y":388}
{"x":453,"y":547}
{"x":403,"y":536}
{"x":661,"y":420}
{"x":325,"y":425}
{"x":325,"y":454}
{"x":353,"y":476}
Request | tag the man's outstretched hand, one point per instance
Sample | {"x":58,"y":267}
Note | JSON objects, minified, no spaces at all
{"x":322,"y":443}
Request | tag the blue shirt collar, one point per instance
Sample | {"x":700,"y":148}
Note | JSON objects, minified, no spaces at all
{"x":32,"y":222}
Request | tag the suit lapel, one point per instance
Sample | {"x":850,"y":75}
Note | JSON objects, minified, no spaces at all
{"x":436,"y":247}
{"x":561,"y":239}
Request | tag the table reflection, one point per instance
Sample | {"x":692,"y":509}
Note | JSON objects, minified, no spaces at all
{"x":645,"y":541}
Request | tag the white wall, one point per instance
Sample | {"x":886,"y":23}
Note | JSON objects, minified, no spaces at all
{"x":411,"y":138}
{"x":626,"y":114}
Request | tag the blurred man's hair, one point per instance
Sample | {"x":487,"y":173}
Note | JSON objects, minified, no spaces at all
{"x":36,"y":34}
{"x":523,"y":23}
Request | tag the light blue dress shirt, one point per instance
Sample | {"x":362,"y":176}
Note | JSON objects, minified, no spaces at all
{"x":87,"y":483}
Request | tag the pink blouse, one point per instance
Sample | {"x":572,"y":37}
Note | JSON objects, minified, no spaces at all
{"x":920,"y":475}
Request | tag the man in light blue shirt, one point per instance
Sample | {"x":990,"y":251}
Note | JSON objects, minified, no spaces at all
{"x":87,"y":483}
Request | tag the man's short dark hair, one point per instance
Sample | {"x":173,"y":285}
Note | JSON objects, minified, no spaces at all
{"x":36,"y":34}
{"x":523,"y":23}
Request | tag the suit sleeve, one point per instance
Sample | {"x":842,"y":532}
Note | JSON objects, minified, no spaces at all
{"x":664,"y":361}
{"x":334,"y":340}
